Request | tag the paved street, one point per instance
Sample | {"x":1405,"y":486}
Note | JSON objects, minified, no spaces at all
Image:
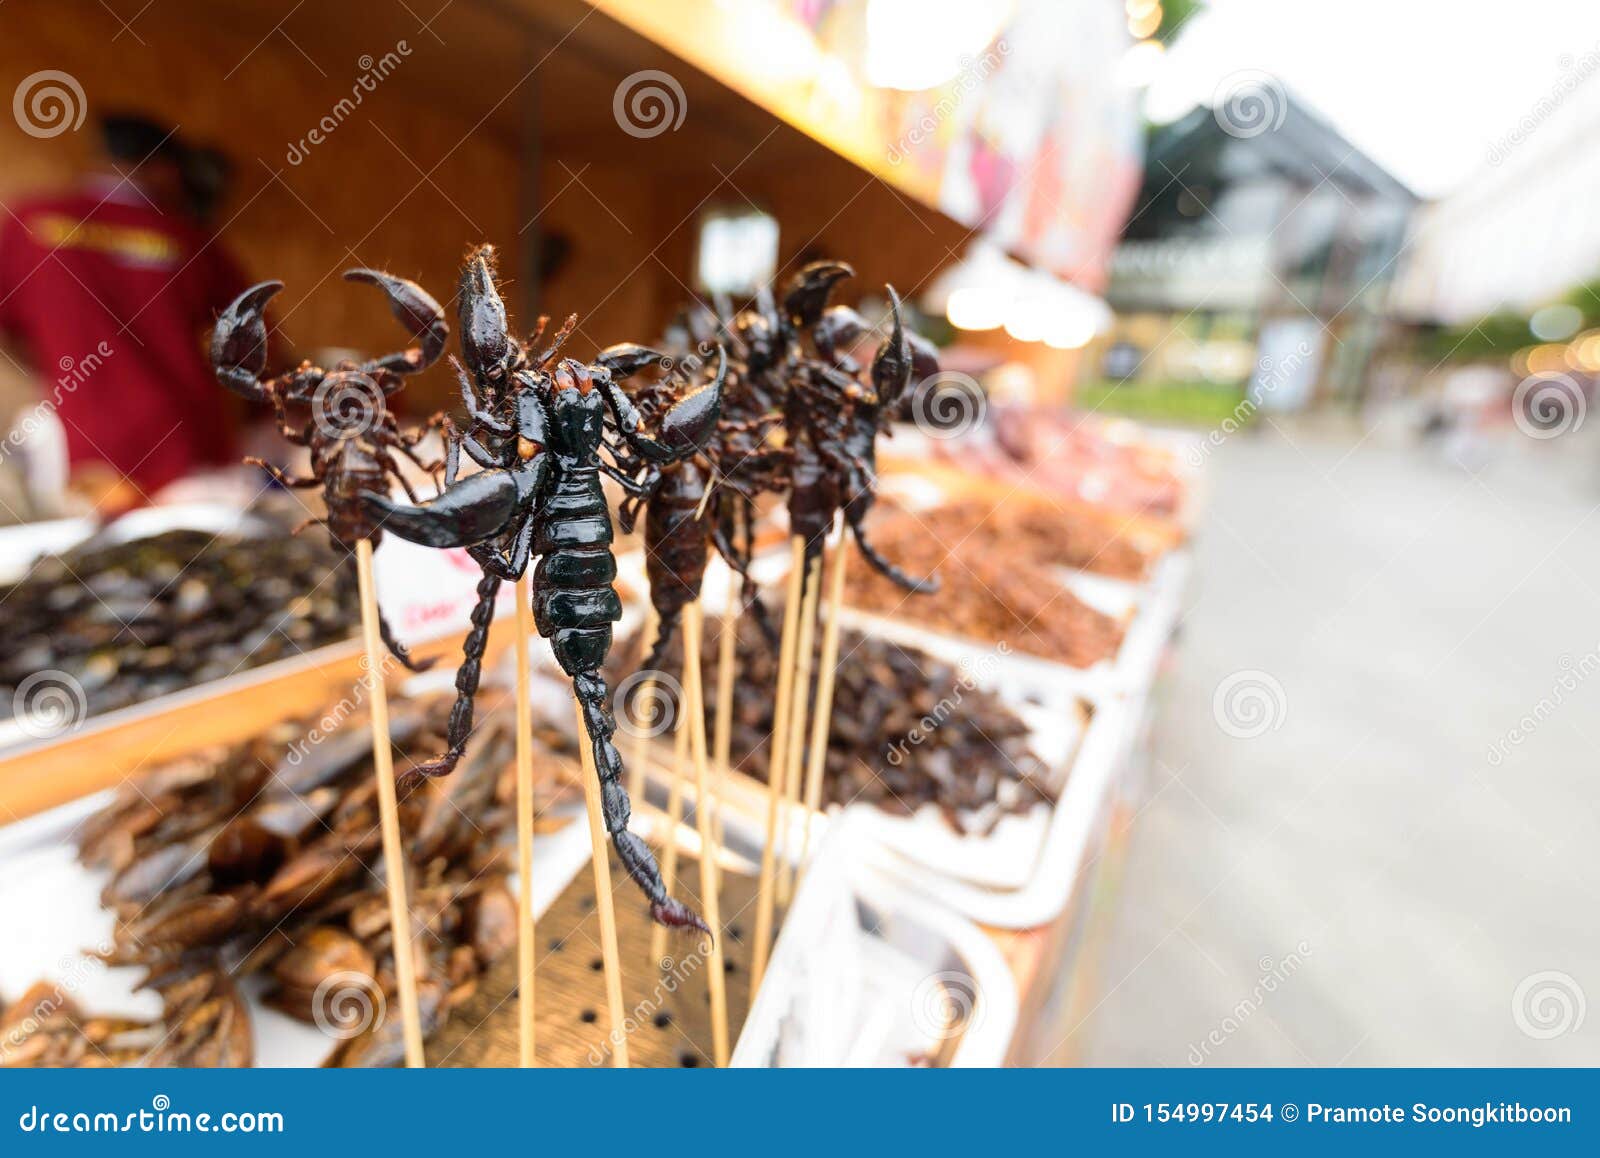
{"x":1381,"y":844}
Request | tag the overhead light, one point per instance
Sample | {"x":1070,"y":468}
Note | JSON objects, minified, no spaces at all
{"x":1555,"y":323}
{"x":919,"y":44}
{"x":1138,"y":65}
{"x":1070,"y":333}
{"x":975,"y":308}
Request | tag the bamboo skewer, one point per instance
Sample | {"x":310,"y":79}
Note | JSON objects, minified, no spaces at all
{"x":603,"y":899}
{"x":795,"y":748}
{"x":694,"y":695}
{"x":775,"y":764}
{"x":822,"y":722}
{"x":394,"y":850}
{"x":645,"y":695}
{"x":525,"y":920}
{"x":669,"y":842}
{"x":727,"y":665}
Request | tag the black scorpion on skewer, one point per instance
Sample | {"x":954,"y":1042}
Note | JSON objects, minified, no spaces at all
{"x":834,"y":420}
{"x":488,"y":393}
{"x":547,"y":500}
{"x":352,"y":434}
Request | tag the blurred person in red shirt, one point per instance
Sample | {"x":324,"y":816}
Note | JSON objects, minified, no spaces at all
{"x":106,"y":294}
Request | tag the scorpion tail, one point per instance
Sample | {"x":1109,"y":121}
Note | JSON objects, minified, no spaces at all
{"x":924,"y":586}
{"x":467,"y":676}
{"x":666,"y":626}
{"x":399,"y":650}
{"x":634,"y":854}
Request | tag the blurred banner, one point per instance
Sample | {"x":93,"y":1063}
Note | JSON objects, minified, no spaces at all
{"x":1009,"y":117}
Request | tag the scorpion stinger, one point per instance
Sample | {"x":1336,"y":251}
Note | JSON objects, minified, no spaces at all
{"x":239,"y":342}
{"x":809,"y":290}
{"x":891,"y":373}
{"x":415,"y":309}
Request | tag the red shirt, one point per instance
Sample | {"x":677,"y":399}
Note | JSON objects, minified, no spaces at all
{"x":110,"y":299}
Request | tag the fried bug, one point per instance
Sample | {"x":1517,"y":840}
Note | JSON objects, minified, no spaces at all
{"x":546,"y":500}
{"x":834,"y":419}
{"x":488,"y":393}
{"x":352,"y":434}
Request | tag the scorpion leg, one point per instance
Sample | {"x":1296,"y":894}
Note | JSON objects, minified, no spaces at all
{"x":239,"y":342}
{"x":855,"y":515}
{"x":635,"y":855}
{"x":283,"y":477}
{"x":398,"y":649}
{"x":415,"y":309}
{"x":467,"y":676}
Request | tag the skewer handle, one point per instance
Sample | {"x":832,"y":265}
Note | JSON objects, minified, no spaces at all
{"x":394,"y":849}
{"x":603,"y":900}
{"x":694,"y":696}
{"x":526,"y":940}
{"x":775,"y":765}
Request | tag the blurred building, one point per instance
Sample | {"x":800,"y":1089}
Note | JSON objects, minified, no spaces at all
{"x":1523,"y":230}
{"x":1260,"y":251}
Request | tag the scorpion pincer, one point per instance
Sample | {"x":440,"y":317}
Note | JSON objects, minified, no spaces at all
{"x":352,"y":434}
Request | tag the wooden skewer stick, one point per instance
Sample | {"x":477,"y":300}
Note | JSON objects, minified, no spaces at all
{"x":644,"y":695}
{"x":394,"y":849}
{"x":526,"y":953}
{"x":669,"y":850}
{"x":795,"y":748}
{"x":727,"y":669}
{"x":822,"y":722}
{"x":765,"y":897}
{"x":602,"y":897}
{"x":694,"y":696}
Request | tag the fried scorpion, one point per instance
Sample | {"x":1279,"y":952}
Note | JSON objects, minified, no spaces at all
{"x":540,"y":494}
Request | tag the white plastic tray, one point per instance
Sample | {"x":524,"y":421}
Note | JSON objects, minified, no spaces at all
{"x":866,"y":974}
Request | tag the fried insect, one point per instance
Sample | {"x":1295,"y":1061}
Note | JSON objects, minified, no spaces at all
{"x":541,"y":495}
{"x":352,"y":434}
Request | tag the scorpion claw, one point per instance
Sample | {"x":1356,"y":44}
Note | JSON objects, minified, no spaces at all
{"x":686,"y":427}
{"x":810,"y":289}
{"x":478,"y":507}
{"x":415,"y":309}
{"x":239,"y":341}
{"x":626,"y":359}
